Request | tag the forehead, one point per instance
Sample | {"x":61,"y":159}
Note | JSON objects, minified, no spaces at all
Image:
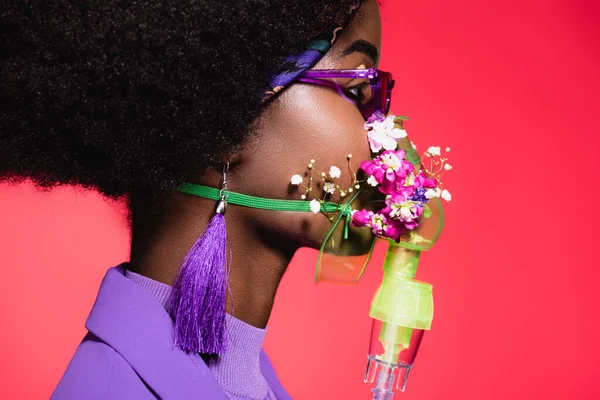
{"x":365,"y":27}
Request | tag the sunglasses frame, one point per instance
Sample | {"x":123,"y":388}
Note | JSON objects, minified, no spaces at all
{"x":379,"y":103}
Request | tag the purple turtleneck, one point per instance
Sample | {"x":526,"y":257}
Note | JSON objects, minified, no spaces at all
{"x":237,"y":370}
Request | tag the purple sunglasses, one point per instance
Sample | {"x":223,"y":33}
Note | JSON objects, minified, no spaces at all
{"x":381,"y":87}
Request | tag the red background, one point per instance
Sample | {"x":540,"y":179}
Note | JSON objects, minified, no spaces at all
{"x":512,"y":87}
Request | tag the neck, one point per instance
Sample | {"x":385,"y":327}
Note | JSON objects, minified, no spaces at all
{"x":161,"y":238}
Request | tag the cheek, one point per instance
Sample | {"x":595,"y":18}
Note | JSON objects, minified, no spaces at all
{"x":305,"y":123}
{"x":316,"y":123}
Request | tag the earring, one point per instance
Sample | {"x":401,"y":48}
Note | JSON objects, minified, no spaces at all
{"x":199,"y":294}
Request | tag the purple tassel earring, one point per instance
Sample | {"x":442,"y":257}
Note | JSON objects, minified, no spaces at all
{"x":199,"y":296}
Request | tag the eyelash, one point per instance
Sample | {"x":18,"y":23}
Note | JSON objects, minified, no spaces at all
{"x":358,"y":95}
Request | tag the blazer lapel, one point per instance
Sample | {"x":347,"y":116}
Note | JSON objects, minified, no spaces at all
{"x":267,"y":370}
{"x":130,"y":321}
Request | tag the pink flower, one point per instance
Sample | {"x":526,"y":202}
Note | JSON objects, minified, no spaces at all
{"x":400,"y":196}
{"x":399,"y":208}
{"x":381,"y":225}
{"x":424,"y":181}
{"x":398,"y":186}
{"x":394,"y":229}
{"x":389,"y":166}
{"x":362,"y":218}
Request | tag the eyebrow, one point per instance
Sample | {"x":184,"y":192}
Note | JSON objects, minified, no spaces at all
{"x":362,"y":46}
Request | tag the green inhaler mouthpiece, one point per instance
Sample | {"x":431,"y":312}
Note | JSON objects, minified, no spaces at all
{"x":402,"y":307}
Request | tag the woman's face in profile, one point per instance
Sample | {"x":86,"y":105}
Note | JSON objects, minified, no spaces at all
{"x":310,"y":122}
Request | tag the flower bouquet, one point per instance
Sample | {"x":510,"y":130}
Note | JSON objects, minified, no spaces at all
{"x":408,"y":186}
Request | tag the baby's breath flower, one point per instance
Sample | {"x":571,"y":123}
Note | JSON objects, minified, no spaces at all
{"x":447,"y":149}
{"x":434,"y":150}
{"x":446,"y":195}
{"x":329,"y":187}
{"x":335,"y":172}
{"x":315,"y":206}
{"x":431,"y":193}
{"x":414,"y":146}
{"x":447,"y":167}
{"x":296,"y":180}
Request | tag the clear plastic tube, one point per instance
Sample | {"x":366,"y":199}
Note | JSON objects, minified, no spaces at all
{"x":392,"y":352}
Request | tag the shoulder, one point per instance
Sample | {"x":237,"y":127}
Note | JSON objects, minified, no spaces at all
{"x":97,"y":372}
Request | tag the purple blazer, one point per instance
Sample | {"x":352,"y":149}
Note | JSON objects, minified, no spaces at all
{"x":128,"y":353}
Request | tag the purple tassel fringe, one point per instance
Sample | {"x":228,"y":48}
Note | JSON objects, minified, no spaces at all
{"x":199,"y":295}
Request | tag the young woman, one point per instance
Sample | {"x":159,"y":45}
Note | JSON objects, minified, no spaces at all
{"x":135,"y":98}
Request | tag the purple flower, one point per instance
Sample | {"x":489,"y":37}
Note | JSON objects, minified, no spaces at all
{"x":419,"y":195}
{"x":379,"y":117}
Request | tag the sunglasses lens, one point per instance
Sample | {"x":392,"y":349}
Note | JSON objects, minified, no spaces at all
{"x":369,"y":109}
{"x":382,"y":94}
{"x":386,"y":84}
{"x":388,"y":94}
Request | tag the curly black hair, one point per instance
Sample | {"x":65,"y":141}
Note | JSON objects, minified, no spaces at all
{"x":129,"y":96}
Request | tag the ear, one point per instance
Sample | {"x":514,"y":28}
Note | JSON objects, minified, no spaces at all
{"x":233,"y":159}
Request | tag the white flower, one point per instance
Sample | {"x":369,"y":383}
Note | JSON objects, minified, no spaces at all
{"x":329,"y":187}
{"x":315,"y":206}
{"x":447,"y":167}
{"x":446,"y":195}
{"x":372,"y":181}
{"x":414,"y":146}
{"x":447,"y":149}
{"x":383,"y":134}
{"x":335,"y":172}
{"x":386,"y":125}
{"x":431,"y":193}
{"x":296,"y":180}
{"x":392,"y":161}
{"x":434,"y":150}
{"x":405,"y":213}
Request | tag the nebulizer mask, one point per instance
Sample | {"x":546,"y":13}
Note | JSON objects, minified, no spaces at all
{"x":399,"y":203}
{"x":393,"y":198}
